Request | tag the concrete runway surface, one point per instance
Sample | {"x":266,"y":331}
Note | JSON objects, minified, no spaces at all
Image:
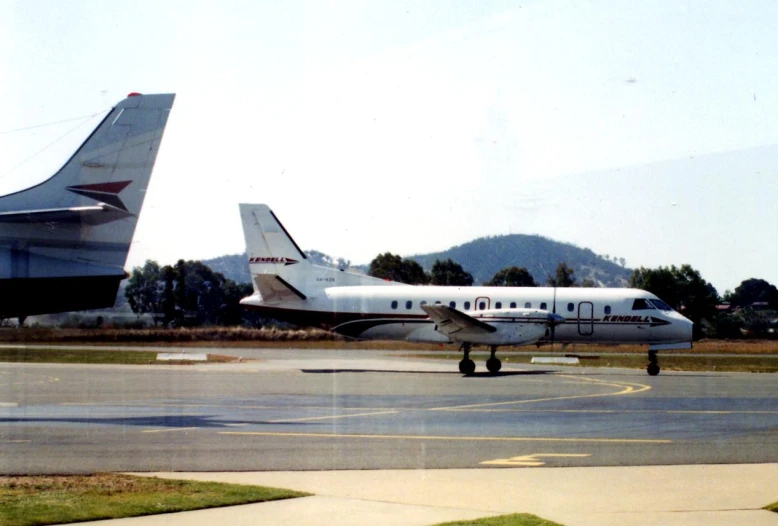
{"x":342,"y":410}
{"x":381,"y":438}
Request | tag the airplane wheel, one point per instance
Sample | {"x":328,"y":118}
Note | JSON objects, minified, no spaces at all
{"x":493,"y":365}
{"x":467,"y":366}
{"x":653,"y":369}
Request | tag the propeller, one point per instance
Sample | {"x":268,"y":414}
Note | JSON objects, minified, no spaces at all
{"x":554,"y":320}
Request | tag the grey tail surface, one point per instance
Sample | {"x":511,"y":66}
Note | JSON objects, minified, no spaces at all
{"x":64,"y":242}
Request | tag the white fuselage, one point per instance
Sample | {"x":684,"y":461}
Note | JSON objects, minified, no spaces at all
{"x":593,"y":315}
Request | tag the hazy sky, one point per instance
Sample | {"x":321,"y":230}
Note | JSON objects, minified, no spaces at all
{"x":643,"y":130}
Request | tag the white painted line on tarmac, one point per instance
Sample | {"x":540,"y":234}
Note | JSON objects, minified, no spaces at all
{"x":456,"y":438}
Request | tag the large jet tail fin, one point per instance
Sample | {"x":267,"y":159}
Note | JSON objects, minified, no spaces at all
{"x":64,"y":242}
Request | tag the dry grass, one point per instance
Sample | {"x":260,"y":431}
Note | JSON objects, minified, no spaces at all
{"x":700,"y":347}
{"x":320,"y":339}
{"x":162,"y":336}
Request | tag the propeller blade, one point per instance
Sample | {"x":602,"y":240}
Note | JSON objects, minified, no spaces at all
{"x":554,"y":316}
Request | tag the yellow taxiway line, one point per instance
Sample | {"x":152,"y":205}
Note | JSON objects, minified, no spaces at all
{"x":331,"y":417}
{"x":626,"y":388}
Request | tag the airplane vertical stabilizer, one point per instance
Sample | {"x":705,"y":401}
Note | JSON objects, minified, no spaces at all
{"x":267,"y":241}
{"x":64,"y":242}
{"x":280,"y":271}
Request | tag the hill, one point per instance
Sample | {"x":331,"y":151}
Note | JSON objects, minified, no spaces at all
{"x":486,"y":256}
{"x":236,"y":267}
{"x":483,"y":258}
{"x":233,"y":266}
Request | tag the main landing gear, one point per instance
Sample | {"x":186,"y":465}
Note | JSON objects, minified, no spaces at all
{"x":653,"y":364}
{"x":493,"y":364}
{"x":467,"y":366}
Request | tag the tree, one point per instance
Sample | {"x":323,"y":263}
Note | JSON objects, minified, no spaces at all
{"x":169,"y":297}
{"x":683,"y":289}
{"x":230,"y":311}
{"x":320,"y":258}
{"x":512,"y":277}
{"x":394,"y":268}
{"x":189,"y":293}
{"x":588,"y":283}
{"x":449,"y":272}
{"x":142,"y":291}
{"x":754,"y":290}
{"x":563,"y":276}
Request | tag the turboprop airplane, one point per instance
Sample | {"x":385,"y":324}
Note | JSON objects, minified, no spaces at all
{"x":288,"y":287}
{"x":64,"y":242}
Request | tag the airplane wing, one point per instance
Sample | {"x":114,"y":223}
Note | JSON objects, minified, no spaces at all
{"x":450,"y":321}
{"x":273,"y":287}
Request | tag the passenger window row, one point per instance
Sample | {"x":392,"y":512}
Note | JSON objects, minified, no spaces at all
{"x":481,"y":305}
{"x":498,"y":305}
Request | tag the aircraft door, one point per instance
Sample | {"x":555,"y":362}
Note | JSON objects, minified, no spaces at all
{"x":585,"y":318}
{"x":482,"y":303}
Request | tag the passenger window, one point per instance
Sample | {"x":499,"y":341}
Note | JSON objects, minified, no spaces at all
{"x":641,"y":304}
{"x":607,"y":309}
{"x":467,"y":305}
{"x":498,"y":305}
{"x":513,"y":304}
{"x":528,"y":305}
{"x":394,"y":304}
{"x":437,"y":303}
{"x":423,"y":302}
{"x":452,"y":304}
{"x":570,"y":307}
{"x":543,"y":306}
{"x":481,"y":305}
{"x":408,"y":305}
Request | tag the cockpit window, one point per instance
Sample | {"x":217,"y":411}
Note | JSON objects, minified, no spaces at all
{"x":641,"y":304}
{"x":659,"y":304}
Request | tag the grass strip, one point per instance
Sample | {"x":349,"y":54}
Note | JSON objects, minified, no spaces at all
{"x":515,"y":519}
{"x":772,"y":507}
{"x":34,"y":500}
{"x":54,"y":355}
{"x":92,"y":356}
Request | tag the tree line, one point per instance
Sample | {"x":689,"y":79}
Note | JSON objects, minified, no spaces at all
{"x":450,"y":273}
{"x":186,"y":294}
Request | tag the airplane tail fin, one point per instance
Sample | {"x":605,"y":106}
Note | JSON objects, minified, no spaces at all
{"x":75,"y":229}
{"x":280,"y":270}
{"x":267,"y":241}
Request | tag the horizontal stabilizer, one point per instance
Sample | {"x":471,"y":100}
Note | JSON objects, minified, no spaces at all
{"x":450,"y":321}
{"x":93,"y":215}
{"x":274,"y":288}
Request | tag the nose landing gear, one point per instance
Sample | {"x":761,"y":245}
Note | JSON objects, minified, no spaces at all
{"x":653,"y":364}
